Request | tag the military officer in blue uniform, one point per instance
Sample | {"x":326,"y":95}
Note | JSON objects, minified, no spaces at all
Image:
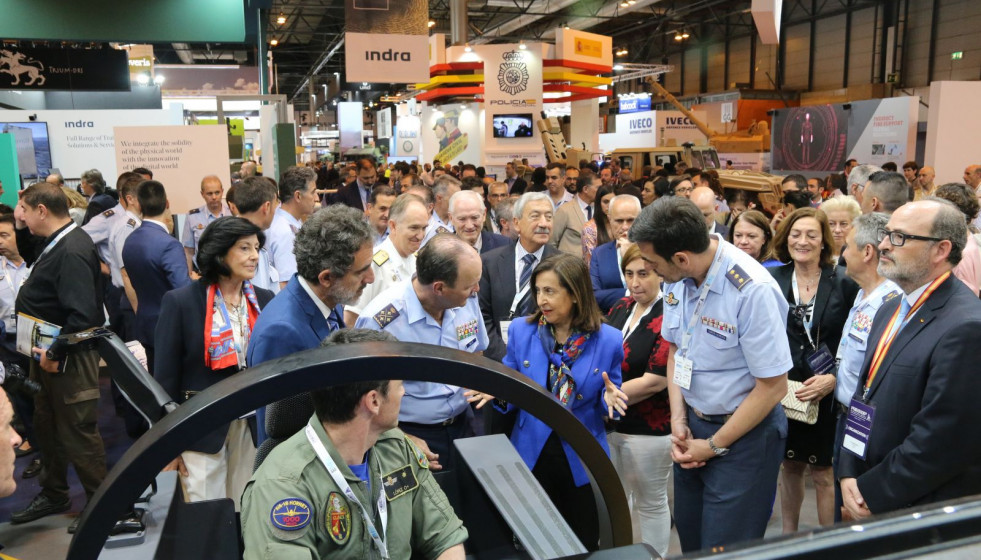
{"x":199,"y":218}
{"x":437,"y":306}
{"x":443,"y":189}
{"x":724,"y":318}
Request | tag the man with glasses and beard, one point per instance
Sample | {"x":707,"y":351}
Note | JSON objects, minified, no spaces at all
{"x":333,"y":260}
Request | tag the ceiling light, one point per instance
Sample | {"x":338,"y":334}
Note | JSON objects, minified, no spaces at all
{"x":467,"y":48}
{"x":281,"y":19}
{"x":624,"y":4}
{"x":631,"y":2}
{"x":522,"y":45}
{"x":274,"y":42}
{"x":432,"y":23}
{"x":618,"y":67}
{"x":678,"y":37}
{"x":685,"y":35}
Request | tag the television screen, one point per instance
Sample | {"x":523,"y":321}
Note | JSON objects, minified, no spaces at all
{"x":513,"y":126}
{"x":33,"y":149}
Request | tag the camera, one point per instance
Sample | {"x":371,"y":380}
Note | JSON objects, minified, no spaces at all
{"x":17,"y":380}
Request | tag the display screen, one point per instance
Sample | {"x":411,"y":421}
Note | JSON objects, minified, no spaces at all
{"x":513,"y":126}
{"x":33,"y":148}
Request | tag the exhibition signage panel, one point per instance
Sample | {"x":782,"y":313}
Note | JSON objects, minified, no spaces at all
{"x":407,"y":141}
{"x":386,"y":41}
{"x":350,"y":122}
{"x":64,"y":69}
{"x":383,"y":119}
{"x":512,"y":102}
{"x":588,"y":48}
{"x":648,"y":129}
{"x":9,"y":171}
{"x":180,"y":156}
{"x":452,"y":133}
{"x":634,"y":104}
{"x":953,"y":120}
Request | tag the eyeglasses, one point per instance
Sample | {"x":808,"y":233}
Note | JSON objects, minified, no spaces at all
{"x":684,"y":190}
{"x":898,"y":238}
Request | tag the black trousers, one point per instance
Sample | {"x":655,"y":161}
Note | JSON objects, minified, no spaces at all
{"x":575,"y":503}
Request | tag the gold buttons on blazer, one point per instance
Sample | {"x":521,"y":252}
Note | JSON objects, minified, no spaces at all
{"x":579,"y":397}
{"x":526,"y":363}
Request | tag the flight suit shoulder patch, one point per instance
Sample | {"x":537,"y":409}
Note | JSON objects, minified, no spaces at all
{"x":289,"y":517}
{"x":738,"y":277}
{"x":417,"y":453}
{"x":109,"y":213}
{"x":380,"y":257}
{"x":386,"y":315}
{"x":399,"y":482}
{"x":338,"y":518}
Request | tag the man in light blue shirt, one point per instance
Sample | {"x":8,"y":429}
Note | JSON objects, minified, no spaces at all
{"x":437,"y":306}
{"x":298,"y":195}
{"x":861,"y":255}
{"x":725,"y":320}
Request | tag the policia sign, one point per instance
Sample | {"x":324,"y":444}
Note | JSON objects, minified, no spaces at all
{"x":64,"y":69}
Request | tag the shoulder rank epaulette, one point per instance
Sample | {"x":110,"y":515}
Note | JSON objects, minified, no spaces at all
{"x":889,"y":296}
{"x":131,"y":222}
{"x":738,"y":277}
{"x":381,"y":257}
{"x":386,"y":315}
{"x":442,"y":229}
{"x":108,"y":213}
{"x":195,"y":211}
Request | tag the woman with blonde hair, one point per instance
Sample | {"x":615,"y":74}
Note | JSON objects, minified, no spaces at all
{"x":76,"y":205}
{"x":841,"y":212}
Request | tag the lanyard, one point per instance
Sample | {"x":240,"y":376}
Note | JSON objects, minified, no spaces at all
{"x":335,"y":473}
{"x":891,"y":331}
{"x":696,"y":314}
{"x":807,"y":320}
{"x":55,"y":241}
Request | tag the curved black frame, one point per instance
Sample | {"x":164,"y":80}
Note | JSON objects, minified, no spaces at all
{"x":339,"y":364}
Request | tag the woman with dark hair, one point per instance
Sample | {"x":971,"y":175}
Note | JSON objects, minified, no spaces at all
{"x":598,"y":230}
{"x":537,"y":180}
{"x":640,"y":445}
{"x":565,"y":347}
{"x":752,"y":235}
{"x":820,"y":296}
{"x":662,"y":187}
{"x":201,"y":338}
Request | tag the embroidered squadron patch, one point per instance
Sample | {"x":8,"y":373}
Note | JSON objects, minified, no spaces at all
{"x":738,"y":277}
{"x":380,"y":257}
{"x":399,"y":482}
{"x":290,"y":514}
{"x":109,"y":213}
{"x":466,"y":330}
{"x":386,"y":315}
{"x":338,"y":518}
{"x":420,"y":456}
{"x":670,"y":299}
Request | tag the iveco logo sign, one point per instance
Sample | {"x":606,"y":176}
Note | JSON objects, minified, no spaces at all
{"x":641,"y":123}
{"x":388,"y":56}
{"x":678,"y":121}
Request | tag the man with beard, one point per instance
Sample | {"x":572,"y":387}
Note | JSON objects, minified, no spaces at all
{"x":333,"y":260}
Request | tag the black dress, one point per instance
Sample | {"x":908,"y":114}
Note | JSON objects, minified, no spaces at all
{"x":814,"y":444}
{"x":643,"y":351}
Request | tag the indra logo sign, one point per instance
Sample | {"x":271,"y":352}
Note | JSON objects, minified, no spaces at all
{"x":512,"y":77}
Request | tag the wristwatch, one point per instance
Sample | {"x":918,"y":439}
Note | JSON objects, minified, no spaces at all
{"x":719,"y":451}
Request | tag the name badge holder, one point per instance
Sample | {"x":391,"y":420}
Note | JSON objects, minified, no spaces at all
{"x":819,"y":359}
{"x":683,"y":365}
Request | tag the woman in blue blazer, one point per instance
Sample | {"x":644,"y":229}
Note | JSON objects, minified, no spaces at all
{"x":566,"y":348}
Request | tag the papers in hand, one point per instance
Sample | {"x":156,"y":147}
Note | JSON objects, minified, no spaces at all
{"x":138,"y":351}
{"x":33,"y":332}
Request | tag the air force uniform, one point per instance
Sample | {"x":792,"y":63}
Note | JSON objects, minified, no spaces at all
{"x":116,"y":240}
{"x":389,"y":268}
{"x":436,"y":226}
{"x":398,"y":311}
{"x":739,"y":335}
{"x":854,"y":341}
{"x":280,"y":238}
{"x":101,"y":227}
{"x":196,"y":221}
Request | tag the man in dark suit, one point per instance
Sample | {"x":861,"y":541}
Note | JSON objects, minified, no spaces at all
{"x":904,"y":443}
{"x":504,"y":270}
{"x":311,"y":305}
{"x":154,"y":260}
{"x":356,"y":194}
{"x":604,"y":265}
{"x":467,"y":213}
{"x":516,"y":185}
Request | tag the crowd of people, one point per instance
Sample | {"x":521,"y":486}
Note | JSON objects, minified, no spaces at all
{"x":698,"y":335}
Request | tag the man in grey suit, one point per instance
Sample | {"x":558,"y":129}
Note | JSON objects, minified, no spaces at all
{"x":507,"y":270}
{"x":571,"y":217}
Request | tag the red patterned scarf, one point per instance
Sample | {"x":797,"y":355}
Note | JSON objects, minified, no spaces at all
{"x":220,"y":350}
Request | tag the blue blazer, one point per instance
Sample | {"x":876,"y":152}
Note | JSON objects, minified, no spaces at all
{"x":605,"y":275}
{"x":156,"y":264}
{"x":603,"y":352}
{"x":490,"y":241}
{"x":290,"y":323}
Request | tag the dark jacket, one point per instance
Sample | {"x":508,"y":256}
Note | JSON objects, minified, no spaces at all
{"x":156,"y":264}
{"x":179,"y":352}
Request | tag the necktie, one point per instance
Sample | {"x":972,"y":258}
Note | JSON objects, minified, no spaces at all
{"x":589,"y":212}
{"x":904,"y":309}
{"x":334,"y":321}
{"x":529,"y":266}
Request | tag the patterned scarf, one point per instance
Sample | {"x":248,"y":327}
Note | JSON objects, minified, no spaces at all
{"x":560,"y":380}
{"x":220,"y":350}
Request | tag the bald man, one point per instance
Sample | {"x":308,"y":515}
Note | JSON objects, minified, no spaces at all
{"x":199,"y":218}
{"x":924,"y":183}
{"x":708,"y":205}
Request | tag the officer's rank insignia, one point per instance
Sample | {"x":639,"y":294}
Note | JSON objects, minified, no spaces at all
{"x":442,"y":229}
{"x":109,"y":213}
{"x":380,"y":257}
{"x":889,"y":296}
{"x":386,"y":315}
{"x":466,"y":330}
{"x":290,"y":514}
{"x":131,"y":222}
{"x":195,"y":211}
{"x":670,"y":299}
{"x":738,"y":277}
{"x":399,"y":482}
{"x":338,"y":518}
{"x":420,"y":456}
